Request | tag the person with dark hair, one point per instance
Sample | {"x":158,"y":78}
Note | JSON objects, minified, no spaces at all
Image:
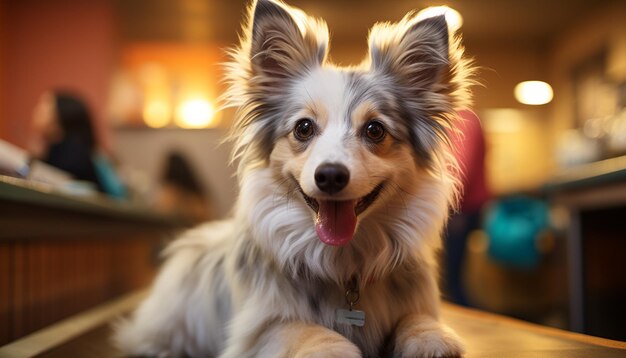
{"x":181,"y":192}
{"x":178,"y":171}
{"x":65,"y":138}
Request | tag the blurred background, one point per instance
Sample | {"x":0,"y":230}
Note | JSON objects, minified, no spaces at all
{"x":542,"y":236}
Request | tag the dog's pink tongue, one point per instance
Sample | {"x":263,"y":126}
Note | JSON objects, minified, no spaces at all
{"x":336,"y":222}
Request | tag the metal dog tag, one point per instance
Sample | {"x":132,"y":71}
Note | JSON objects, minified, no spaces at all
{"x":351,"y":317}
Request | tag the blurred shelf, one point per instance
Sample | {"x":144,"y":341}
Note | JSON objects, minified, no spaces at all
{"x":593,"y":197}
{"x":602,"y":172}
{"x":15,"y":191}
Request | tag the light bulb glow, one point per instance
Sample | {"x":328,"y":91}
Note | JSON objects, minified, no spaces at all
{"x":533,"y":93}
{"x":195,"y":113}
{"x":156,"y":114}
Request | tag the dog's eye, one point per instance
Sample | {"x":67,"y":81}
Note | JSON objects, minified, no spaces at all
{"x":375,"y":131}
{"x":304,"y":130}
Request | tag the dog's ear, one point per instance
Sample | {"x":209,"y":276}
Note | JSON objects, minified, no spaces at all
{"x":283,"y":43}
{"x":279,"y":44}
{"x":414,"y":53}
{"x":427,"y":73}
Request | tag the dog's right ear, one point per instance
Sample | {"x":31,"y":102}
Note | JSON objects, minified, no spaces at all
{"x":284,"y":41}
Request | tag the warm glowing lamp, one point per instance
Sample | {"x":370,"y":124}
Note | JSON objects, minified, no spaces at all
{"x":533,"y":92}
{"x":453,"y":17}
{"x":195,"y":113}
{"x":156,"y":114}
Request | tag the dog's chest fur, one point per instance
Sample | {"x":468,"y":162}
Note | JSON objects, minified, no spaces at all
{"x":314,"y":300}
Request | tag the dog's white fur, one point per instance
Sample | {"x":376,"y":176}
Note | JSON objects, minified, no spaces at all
{"x":262,"y":284}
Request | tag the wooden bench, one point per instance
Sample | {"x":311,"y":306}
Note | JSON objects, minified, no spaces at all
{"x":485,"y":334}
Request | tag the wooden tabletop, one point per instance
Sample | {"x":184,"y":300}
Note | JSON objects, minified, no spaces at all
{"x":485,"y":335}
{"x":490,"y":335}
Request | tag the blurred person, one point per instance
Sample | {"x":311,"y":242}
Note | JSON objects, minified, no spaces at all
{"x":469,"y":150}
{"x":181,"y":191}
{"x":63,"y":136}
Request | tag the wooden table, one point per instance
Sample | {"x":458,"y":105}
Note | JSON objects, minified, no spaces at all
{"x":486,"y":335}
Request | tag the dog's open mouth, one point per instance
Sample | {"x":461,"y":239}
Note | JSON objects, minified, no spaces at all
{"x":336,"y":219}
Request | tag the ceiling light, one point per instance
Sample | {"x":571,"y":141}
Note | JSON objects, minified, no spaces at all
{"x":533,"y":92}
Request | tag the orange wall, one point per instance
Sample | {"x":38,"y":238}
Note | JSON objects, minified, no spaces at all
{"x":54,"y":44}
{"x":3,"y":125}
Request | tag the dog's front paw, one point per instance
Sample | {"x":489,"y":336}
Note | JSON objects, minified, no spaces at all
{"x":426,"y":338}
{"x":340,"y":348}
{"x":333,"y":350}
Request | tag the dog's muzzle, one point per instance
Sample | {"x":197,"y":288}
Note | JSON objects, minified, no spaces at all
{"x":336,"y":220}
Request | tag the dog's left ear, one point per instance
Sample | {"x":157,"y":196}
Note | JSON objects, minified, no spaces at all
{"x":284,"y":41}
{"x":428,"y":72}
{"x":414,"y":53}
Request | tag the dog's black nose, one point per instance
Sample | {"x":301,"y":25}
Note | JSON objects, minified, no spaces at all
{"x":331,"y":177}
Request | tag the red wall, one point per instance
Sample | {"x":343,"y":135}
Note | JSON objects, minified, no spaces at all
{"x":3,"y":124}
{"x":51,"y":44}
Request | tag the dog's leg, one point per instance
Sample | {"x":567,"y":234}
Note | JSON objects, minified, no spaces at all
{"x":419,"y":333}
{"x":423,"y":336}
{"x":293,"y":340}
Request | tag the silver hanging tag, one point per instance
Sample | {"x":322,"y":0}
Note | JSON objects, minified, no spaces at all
{"x":351,"y":317}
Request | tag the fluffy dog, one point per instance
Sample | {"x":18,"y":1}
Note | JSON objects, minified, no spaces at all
{"x":345,"y":184}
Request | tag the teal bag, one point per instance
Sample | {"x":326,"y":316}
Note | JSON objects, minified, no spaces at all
{"x":514,"y":225}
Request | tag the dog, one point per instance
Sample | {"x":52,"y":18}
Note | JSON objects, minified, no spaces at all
{"x":346,"y":181}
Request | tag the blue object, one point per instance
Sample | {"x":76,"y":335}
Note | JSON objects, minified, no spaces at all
{"x":110,"y":181}
{"x":513,"y":225}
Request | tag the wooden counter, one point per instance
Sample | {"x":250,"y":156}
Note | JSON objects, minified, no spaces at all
{"x":594,"y":197}
{"x":485,"y":335}
{"x":61,"y":254}
{"x":18,"y":199}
